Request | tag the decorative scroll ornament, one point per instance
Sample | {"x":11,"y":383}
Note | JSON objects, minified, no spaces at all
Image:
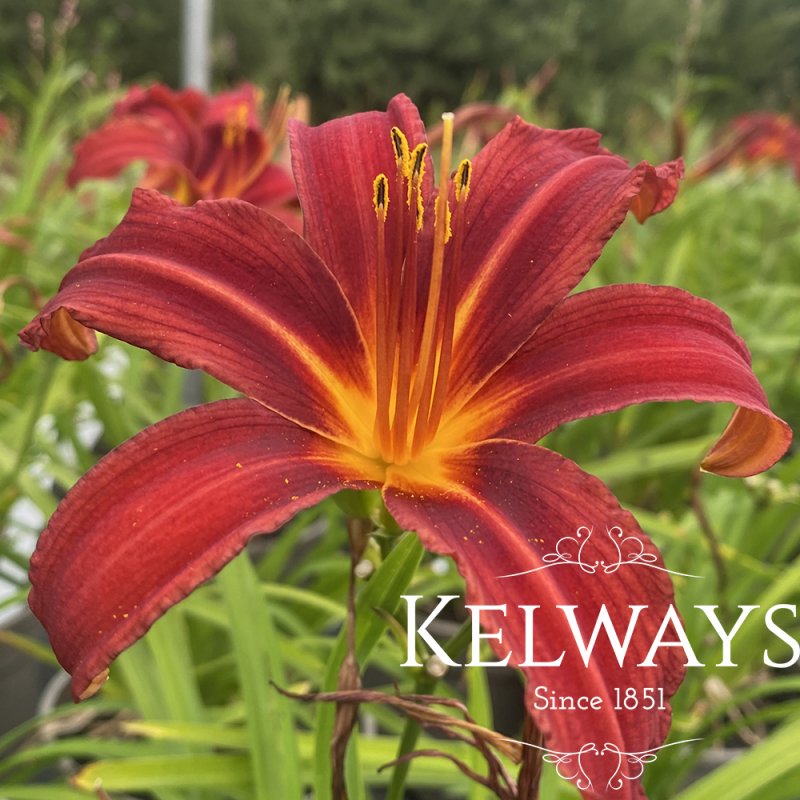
{"x":623,"y":766}
{"x":572,"y":550}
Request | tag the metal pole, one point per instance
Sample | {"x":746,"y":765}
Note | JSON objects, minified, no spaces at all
{"x":196,"y":51}
{"x":195,"y":72}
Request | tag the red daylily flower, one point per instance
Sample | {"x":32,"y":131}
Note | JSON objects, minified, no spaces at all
{"x":197,"y":147}
{"x":755,"y":138}
{"x":404,"y":345}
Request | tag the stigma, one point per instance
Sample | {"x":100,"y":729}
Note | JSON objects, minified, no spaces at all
{"x":414,"y":335}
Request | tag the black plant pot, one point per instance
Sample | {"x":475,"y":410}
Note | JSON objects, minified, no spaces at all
{"x":22,"y":679}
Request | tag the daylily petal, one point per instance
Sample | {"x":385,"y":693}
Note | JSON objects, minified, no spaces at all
{"x":334,"y":166}
{"x":162,"y":513}
{"x":75,"y":342}
{"x":658,"y":190}
{"x":120,"y":142}
{"x":272,"y":187}
{"x":610,"y":347}
{"x":155,"y":124}
{"x":542,"y":205}
{"x":175,"y":109}
{"x":223,"y":286}
{"x":243,"y":100}
{"x":751,"y":442}
{"x":499,"y":508}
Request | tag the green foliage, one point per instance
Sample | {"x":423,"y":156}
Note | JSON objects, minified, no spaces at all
{"x":623,"y":66}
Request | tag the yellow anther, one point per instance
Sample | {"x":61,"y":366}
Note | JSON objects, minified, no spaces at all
{"x":418,"y":161}
{"x":462,"y":181}
{"x":401,"y":151}
{"x":417,"y":164}
{"x":236,"y":126}
{"x":380,"y":196}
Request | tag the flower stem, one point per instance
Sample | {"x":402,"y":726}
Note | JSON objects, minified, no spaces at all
{"x":424,"y":684}
{"x":349,"y":675}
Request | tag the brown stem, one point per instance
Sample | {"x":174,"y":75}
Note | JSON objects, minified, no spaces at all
{"x":699,"y":510}
{"x":530,"y":771}
{"x":349,"y":673}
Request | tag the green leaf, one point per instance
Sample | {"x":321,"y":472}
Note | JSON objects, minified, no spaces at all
{"x":207,"y":733}
{"x":275,"y":761}
{"x":27,"y":645}
{"x":479,"y":703}
{"x":198,"y":771}
{"x":650,"y":460}
{"x":747,"y":777}
{"x":40,"y":792}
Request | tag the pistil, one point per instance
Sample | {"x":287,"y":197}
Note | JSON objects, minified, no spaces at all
{"x":421,"y":396}
{"x":462,"y":182}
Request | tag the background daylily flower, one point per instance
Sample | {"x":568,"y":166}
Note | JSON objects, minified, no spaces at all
{"x":196,"y":146}
{"x":760,"y":137}
{"x":416,"y":339}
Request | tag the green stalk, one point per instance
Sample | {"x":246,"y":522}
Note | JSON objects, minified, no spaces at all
{"x":34,"y":412}
{"x":274,"y":758}
{"x":424,"y":684}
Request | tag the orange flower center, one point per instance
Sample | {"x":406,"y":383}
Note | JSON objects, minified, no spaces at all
{"x":235,"y":129}
{"x":413,"y":357}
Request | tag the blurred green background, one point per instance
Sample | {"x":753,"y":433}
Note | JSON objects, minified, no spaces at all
{"x":621,"y":66}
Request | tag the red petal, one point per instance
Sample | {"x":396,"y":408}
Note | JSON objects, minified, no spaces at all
{"x":504,"y":508}
{"x":222,"y":106}
{"x":156,"y":125}
{"x":608,"y":348}
{"x":542,"y":205}
{"x":161,"y":514}
{"x":120,"y":142}
{"x":76,"y":342}
{"x":224,"y":287}
{"x":334,"y":166}
{"x":273,"y":187}
{"x":659,"y":188}
{"x":182,"y":108}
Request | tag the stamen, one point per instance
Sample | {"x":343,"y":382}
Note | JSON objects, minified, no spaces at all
{"x":463,"y":176}
{"x":408,"y":331}
{"x":401,"y":152}
{"x":275,"y":128}
{"x":274,"y":132}
{"x":380,"y":199}
{"x":413,"y":366}
{"x":423,"y":385}
{"x":383,"y":377}
{"x":389,"y":355}
{"x":235,"y":128}
{"x":417,"y":161}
